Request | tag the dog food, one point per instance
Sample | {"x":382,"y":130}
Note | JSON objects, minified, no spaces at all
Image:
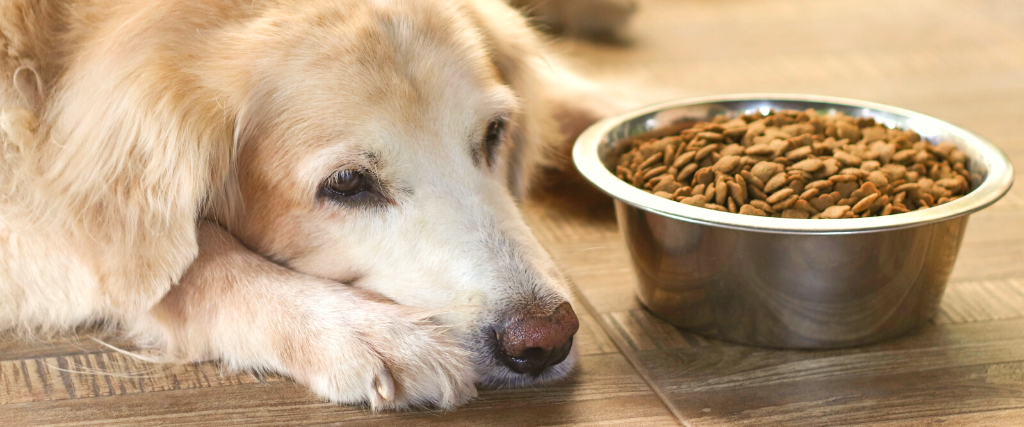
{"x":798,"y":164}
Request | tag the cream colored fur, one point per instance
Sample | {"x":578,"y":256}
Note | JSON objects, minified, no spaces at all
{"x":163,"y":162}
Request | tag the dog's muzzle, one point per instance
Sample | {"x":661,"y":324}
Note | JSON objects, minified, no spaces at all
{"x":529,"y":345}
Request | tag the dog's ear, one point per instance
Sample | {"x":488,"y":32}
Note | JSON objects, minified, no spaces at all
{"x":557,"y":104}
{"x":517,"y":52}
{"x":125,"y":156}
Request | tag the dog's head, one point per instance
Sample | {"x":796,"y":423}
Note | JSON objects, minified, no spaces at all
{"x":383,"y":145}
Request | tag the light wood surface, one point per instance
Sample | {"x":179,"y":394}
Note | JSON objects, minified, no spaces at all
{"x":957,"y":60}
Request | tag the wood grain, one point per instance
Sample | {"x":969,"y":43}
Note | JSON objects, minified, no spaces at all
{"x":605,"y":380}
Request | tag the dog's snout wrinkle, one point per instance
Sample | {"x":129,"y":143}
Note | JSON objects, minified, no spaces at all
{"x":531,"y":344}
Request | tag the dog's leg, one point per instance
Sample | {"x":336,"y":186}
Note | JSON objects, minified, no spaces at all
{"x":347,"y":345}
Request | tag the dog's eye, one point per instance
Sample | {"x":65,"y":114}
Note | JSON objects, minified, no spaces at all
{"x":492,"y":138}
{"x":346,"y":183}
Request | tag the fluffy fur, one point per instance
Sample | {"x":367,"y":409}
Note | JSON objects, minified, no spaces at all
{"x":164,"y":167}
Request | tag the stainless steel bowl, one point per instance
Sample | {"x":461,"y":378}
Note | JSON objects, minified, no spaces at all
{"x":788,"y":283}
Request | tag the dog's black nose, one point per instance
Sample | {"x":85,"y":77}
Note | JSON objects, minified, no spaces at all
{"x":531,"y":344}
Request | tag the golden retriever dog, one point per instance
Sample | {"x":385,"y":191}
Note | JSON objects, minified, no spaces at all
{"x":321,"y":188}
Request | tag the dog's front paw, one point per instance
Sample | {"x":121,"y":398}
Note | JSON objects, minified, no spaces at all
{"x":601,"y":19}
{"x":385,"y":356}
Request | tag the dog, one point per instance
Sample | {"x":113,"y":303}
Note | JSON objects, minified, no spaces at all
{"x":321,"y":188}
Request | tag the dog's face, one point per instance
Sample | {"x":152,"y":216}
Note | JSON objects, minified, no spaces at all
{"x":373,"y":149}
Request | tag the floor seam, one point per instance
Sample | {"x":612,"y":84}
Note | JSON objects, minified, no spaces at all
{"x":629,"y":355}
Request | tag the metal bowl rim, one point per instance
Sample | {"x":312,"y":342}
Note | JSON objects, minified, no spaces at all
{"x":587,"y":160}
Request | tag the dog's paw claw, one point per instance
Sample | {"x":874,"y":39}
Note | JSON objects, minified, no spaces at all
{"x":400,"y":361}
{"x":385,"y":386}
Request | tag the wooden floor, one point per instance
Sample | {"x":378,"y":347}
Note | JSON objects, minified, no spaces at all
{"x":957,"y":60}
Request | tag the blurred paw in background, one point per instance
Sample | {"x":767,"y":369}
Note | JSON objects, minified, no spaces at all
{"x":604,"y":20}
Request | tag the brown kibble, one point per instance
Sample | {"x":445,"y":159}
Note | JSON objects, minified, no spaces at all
{"x":705,"y":152}
{"x":870,"y":165}
{"x":755,"y":193}
{"x":710,"y":192}
{"x":651,"y":161}
{"x":655,"y":172}
{"x":904,"y":156}
{"x":797,"y":184}
{"x":667,"y":184}
{"x":910,"y":186}
{"x":822,"y":184}
{"x":736,"y":192}
{"x":697,"y":200}
{"x":704,"y":176}
{"x":684,"y":159}
{"x":809,"y":194}
{"x":799,"y":153}
{"x":845,"y":189}
{"x":751,"y":210}
{"x":762,"y":205}
{"x":957,"y":156}
{"x":778,"y":181}
{"x":835,"y":212}
{"x":795,"y":214}
{"x":732,"y":150}
{"x":751,"y":179}
{"x":845,"y":130}
{"x":805,"y":206}
{"x":710,"y":136}
{"x":878,"y":179}
{"x":742,"y":182}
{"x":927,"y":199}
{"x":857,"y":172}
{"x":727,"y":164}
{"x":624,"y":173}
{"x":899,"y":197}
{"x":716,"y":207}
{"x":867,"y":188}
{"x":759,"y":150}
{"x":736,"y":133}
{"x":808,"y":165}
{"x":847,"y":158}
{"x":780,"y":195}
{"x":949,"y":184}
{"x":883,"y":199}
{"x":787,"y":203}
{"x":721,"y":190}
{"x":822,"y":202}
{"x":766,"y":170}
{"x":835,"y":179}
{"x":798,"y":164}
{"x":865,"y":203}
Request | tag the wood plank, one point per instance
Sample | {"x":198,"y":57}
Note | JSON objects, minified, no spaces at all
{"x":943,"y":369}
{"x":979,"y":301}
{"x":607,"y":379}
{"x":1007,"y":417}
{"x":108,"y":374}
{"x":81,"y":341}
